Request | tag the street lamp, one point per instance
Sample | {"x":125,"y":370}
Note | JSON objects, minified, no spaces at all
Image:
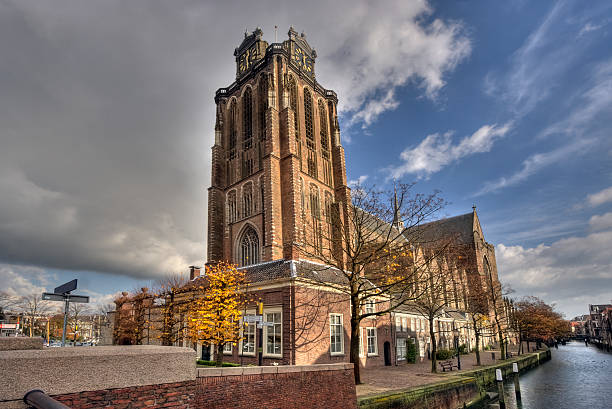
{"x":456,"y":334}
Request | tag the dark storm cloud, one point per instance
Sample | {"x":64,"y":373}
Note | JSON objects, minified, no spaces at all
{"x":106,"y":115}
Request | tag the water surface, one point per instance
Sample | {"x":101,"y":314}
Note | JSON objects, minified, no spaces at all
{"x":577,"y":376}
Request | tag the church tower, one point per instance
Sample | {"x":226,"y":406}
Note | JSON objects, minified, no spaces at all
{"x":278,"y":167}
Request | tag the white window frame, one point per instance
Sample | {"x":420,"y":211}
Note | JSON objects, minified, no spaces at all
{"x":275,"y":310}
{"x":341,"y":324}
{"x":242,"y":327}
{"x":370,"y":307}
{"x":375,"y":353}
{"x":401,"y":357}
{"x":398,"y":323}
{"x":225,"y":349}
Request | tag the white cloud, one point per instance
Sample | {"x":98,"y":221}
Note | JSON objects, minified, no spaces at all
{"x":601,"y":222}
{"x":601,"y":197}
{"x":561,"y":271}
{"x":22,"y":280}
{"x":437,"y":150}
{"x":372,"y":50}
{"x":533,"y":164}
{"x":595,"y":99}
{"x":359,"y":181}
{"x":588,"y":27}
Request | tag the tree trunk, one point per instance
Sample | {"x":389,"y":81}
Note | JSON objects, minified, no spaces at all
{"x":520,"y":339}
{"x":354,"y":353}
{"x":433,"y":344}
{"x":219,"y":355}
{"x":477,"y":334}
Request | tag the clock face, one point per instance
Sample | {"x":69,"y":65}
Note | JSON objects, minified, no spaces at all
{"x":247,"y":59}
{"x":302,"y":60}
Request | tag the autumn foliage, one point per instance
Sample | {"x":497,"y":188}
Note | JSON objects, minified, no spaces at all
{"x":213,"y":316}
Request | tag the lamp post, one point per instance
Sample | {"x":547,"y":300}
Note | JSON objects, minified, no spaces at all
{"x":456,"y":334}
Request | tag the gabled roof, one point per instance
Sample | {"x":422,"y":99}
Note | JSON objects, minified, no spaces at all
{"x":462,"y":227}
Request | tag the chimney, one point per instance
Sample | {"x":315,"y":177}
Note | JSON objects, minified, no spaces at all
{"x":194,"y":272}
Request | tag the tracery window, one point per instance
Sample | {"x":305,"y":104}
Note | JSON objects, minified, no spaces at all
{"x":327,"y":173}
{"x":310,"y":142}
{"x":233,"y":131}
{"x":263,"y":105}
{"x":231,"y":207}
{"x":293,"y":102}
{"x":315,"y":213}
{"x":249,"y":247}
{"x":247,"y":119}
{"x":247,"y":200}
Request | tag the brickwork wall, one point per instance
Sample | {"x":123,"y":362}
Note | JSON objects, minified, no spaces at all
{"x":311,"y":389}
{"x":296,"y":388}
{"x":170,"y":395}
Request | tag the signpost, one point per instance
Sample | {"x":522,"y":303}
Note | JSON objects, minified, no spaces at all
{"x":62,"y":293}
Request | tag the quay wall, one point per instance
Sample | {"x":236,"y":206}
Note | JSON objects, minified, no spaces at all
{"x":461,"y":388}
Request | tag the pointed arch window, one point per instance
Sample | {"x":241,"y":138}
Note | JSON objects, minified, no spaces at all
{"x":310,"y":142}
{"x":263,"y":105}
{"x":315,"y":213}
{"x":247,"y":119}
{"x":293,"y":102}
{"x":247,"y":200}
{"x":249,"y":247}
{"x":232,"y":211}
{"x":233,"y":131}
{"x":327,"y":172}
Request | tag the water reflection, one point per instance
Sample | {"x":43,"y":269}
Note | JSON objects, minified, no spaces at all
{"x":577,"y":377}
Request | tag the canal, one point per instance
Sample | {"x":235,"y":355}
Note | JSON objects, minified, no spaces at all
{"x":577,"y":376}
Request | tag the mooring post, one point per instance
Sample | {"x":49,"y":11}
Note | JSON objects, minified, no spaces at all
{"x":500,"y":388}
{"x":517,"y":386}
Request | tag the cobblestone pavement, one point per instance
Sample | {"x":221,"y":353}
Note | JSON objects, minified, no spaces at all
{"x":388,"y":378}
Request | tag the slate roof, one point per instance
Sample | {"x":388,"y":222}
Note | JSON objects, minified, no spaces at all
{"x":460,"y":226}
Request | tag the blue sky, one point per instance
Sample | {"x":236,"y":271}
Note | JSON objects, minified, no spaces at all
{"x":108,"y":125}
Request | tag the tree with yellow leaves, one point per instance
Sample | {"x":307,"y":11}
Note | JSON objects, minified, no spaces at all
{"x":213,"y":316}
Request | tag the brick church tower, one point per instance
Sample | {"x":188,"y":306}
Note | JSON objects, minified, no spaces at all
{"x":278,"y":167}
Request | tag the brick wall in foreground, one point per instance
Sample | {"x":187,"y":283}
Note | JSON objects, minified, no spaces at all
{"x":272,"y":387}
{"x":180,"y":395}
{"x":303,"y":389}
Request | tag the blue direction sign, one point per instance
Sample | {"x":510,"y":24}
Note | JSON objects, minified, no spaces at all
{"x":66,"y":287}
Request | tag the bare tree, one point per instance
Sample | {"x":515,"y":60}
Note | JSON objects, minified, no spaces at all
{"x":76,"y":314}
{"x":435,"y":298}
{"x":365,"y":249}
{"x":33,"y":307}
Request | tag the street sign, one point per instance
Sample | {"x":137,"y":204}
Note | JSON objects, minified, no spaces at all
{"x":264,"y":324}
{"x":62,"y":293}
{"x":253,"y":318}
{"x":66,"y":287}
{"x":53,"y":297}
{"x":78,"y":298}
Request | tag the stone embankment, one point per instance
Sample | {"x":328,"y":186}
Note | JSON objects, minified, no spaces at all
{"x":459,"y":388}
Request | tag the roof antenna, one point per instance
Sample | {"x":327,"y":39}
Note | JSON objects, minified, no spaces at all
{"x":474,"y":207}
{"x":275,"y":33}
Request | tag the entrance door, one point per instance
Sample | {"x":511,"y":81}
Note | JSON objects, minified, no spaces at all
{"x":387,"y":348}
{"x":206,"y":352}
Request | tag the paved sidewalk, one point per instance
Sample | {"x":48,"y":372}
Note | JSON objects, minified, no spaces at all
{"x":388,"y":378}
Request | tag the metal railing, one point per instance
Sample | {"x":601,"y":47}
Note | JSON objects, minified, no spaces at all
{"x":40,"y":400}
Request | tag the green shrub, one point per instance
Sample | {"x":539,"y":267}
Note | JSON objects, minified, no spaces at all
{"x":214,"y":363}
{"x":463,"y":349}
{"x":443,"y":354}
{"x":411,"y":351}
